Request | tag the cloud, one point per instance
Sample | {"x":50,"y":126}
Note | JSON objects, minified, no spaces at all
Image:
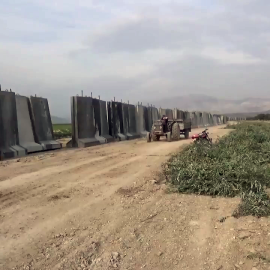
{"x":136,"y":50}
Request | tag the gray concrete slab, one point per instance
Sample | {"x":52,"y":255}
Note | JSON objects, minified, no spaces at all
{"x":115,"y":115}
{"x":140,"y":120}
{"x":25,"y":125}
{"x":199,"y":119}
{"x":104,"y":122}
{"x":178,"y":114}
{"x":83,"y":124}
{"x":194,"y":122}
{"x":155,"y":115}
{"x":42,"y":123}
{"x":9,"y":137}
{"x":132,"y":125}
{"x":161,"y":112}
{"x":169,"y":113}
{"x":98,"y":122}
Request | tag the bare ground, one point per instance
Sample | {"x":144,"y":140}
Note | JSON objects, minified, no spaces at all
{"x":103,"y":208}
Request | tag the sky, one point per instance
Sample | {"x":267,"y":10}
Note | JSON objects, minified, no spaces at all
{"x":136,"y":50}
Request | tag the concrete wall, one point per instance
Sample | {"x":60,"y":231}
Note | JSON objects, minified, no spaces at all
{"x":205,"y":119}
{"x":26,"y":125}
{"x":116,"y":120}
{"x":43,"y":123}
{"x":83,"y":122}
{"x":129,"y":122}
{"x":169,"y":113}
{"x":155,"y":115}
{"x":9,"y":137}
{"x":178,"y":114}
{"x":101,"y":121}
{"x":104,"y":131}
{"x":140,"y":120}
{"x":132,"y":129}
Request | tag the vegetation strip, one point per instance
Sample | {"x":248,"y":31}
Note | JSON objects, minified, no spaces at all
{"x":61,"y":131}
{"x":236,"y":165}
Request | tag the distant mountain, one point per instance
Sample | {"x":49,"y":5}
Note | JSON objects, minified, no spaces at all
{"x":248,"y":114}
{"x":59,"y":120}
{"x":215,"y":105}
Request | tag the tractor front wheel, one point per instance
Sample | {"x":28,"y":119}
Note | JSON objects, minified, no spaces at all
{"x":148,"y":136}
{"x":154,"y":136}
{"x":169,"y":137}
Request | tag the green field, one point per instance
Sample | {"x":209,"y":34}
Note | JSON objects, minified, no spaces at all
{"x":236,"y":165}
{"x":62,"y":131}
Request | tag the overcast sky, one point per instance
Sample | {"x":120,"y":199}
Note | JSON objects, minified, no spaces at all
{"x":134,"y":49}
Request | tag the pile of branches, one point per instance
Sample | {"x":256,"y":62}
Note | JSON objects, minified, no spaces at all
{"x":236,"y":165}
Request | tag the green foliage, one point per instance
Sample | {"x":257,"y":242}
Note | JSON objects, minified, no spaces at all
{"x":263,"y":117}
{"x":236,"y":165}
{"x":62,"y":131}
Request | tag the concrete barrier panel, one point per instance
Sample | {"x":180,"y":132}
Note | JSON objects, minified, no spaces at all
{"x":25,"y":125}
{"x":178,"y":114}
{"x":155,"y":115}
{"x":215,"y":120}
{"x":115,"y":112}
{"x":9,"y":137}
{"x":149,"y":117}
{"x":187,"y":115}
{"x":129,"y":122}
{"x":83,"y":126}
{"x":194,"y":120}
{"x":200,"y":119}
{"x":132,"y":127}
{"x":140,"y":120}
{"x":101,"y":122}
{"x":211,"y":119}
{"x":169,"y":113}
{"x":146,"y":119}
{"x":126,"y":121}
{"x":219,"y":120}
{"x":205,"y":119}
{"x":161,"y":112}
{"x":104,"y":131}
{"x":43,"y":123}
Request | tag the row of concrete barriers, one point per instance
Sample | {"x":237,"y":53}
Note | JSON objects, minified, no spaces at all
{"x":25,"y":125}
{"x":96,"y":121}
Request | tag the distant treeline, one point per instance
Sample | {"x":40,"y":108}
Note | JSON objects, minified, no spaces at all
{"x":264,"y":117}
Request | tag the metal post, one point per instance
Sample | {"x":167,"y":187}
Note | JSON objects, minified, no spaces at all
{"x":99,"y":97}
{"x":114,"y":99}
{"x":91,"y":94}
{"x":0,"y":88}
{"x":82,"y":93}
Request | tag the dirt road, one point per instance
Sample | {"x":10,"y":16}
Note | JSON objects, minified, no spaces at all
{"x":100,"y":208}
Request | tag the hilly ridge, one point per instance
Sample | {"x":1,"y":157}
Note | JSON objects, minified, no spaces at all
{"x":215,"y":105}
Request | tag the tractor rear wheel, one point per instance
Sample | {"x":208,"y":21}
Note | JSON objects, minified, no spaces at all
{"x":175,"y":132}
{"x":186,"y":134}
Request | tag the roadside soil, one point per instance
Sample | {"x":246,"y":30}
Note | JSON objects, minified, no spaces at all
{"x":106,"y":207}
